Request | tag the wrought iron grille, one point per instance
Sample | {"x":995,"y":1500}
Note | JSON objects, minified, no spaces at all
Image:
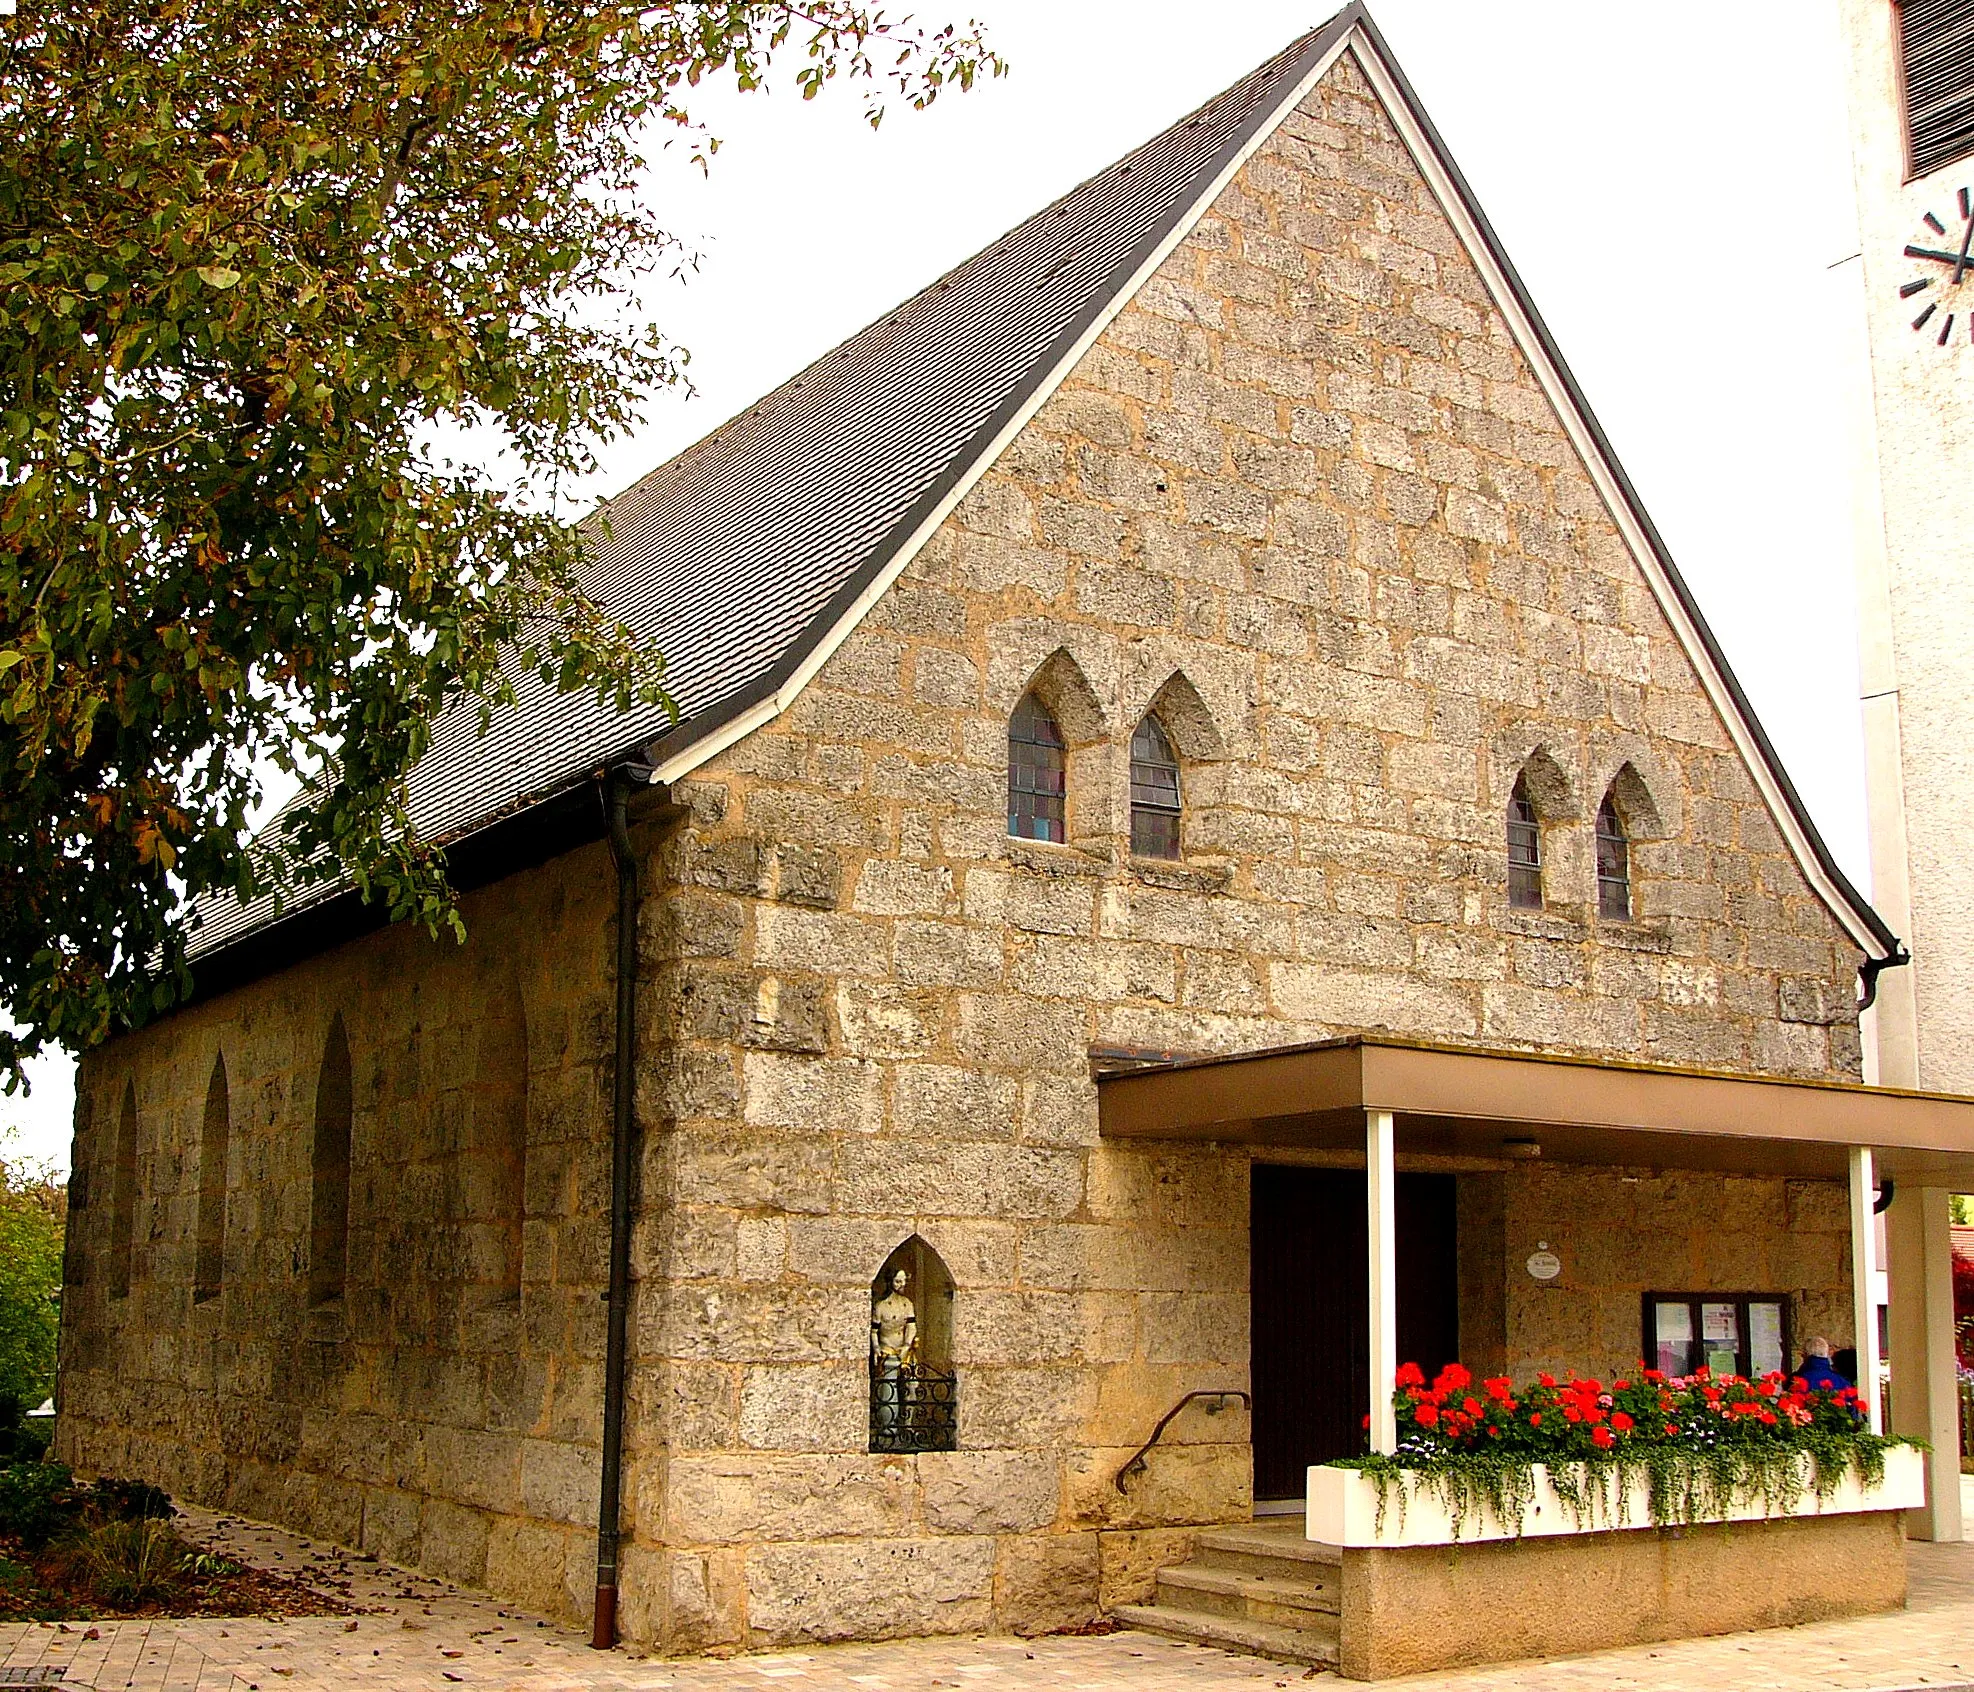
{"x":913,"y":1408}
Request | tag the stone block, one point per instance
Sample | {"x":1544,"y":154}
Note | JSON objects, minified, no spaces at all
{"x":761,"y":1499}
{"x":805,"y":1407}
{"x":1048,"y":1583}
{"x":939,"y":1101}
{"x":987,"y":1492}
{"x":782,"y":1090}
{"x":869,"y":1589}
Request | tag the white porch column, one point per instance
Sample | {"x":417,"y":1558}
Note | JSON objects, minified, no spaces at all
{"x":1919,"y":1256}
{"x":1381,"y":1198}
{"x":1864,"y":1265}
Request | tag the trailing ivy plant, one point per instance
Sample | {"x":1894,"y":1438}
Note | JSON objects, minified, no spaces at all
{"x":1701,"y":1446}
{"x":252,"y":257}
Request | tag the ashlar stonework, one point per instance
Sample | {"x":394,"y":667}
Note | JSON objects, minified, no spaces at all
{"x":1304,"y":499}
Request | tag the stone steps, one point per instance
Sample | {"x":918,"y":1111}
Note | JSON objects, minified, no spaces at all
{"x":1262,"y":1590}
{"x":1253,"y":1639}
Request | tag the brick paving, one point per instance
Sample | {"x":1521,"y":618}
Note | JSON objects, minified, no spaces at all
{"x":427,"y":1636}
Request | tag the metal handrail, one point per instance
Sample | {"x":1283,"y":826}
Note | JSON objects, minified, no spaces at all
{"x":1137,"y":1462}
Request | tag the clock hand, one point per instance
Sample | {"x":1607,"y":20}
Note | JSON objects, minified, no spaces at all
{"x":1935,"y":253}
{"x":1960,"y":264}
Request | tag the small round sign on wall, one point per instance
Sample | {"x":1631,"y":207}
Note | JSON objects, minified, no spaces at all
{"x":1543,"y":1263}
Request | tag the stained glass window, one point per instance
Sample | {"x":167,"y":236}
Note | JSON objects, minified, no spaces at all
{"x":1524,"y":851}
{"x":1613,"y":865}
{"x":1038,"y":767}
{"x":1154,"y":793}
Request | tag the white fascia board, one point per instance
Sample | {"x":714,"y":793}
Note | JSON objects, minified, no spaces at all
{"x":1465,"y":224}
{"x":689,"y":758}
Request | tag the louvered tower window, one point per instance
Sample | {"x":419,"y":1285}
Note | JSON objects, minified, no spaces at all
{"x":1038,"y":772}
{"x":1524,"y":851}
{"x":1613,"y":865}
{"x":1936,"y":62}
{"x":1154,"y":793}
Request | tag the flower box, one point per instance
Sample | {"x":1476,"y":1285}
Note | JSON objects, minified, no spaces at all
{"x":1343,"y":1505}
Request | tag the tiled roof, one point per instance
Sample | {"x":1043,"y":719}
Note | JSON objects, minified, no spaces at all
{"x":739,"y":558}
{"x":735,"y":557}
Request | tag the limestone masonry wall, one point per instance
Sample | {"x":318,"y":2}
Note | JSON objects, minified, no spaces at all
{"x":444,"y":1411}
{"x":1304,"y":499}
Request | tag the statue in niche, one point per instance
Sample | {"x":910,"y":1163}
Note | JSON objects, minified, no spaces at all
{"x":893,"y":1348}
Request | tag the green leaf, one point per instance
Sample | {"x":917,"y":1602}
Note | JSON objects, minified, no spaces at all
{"x":95,"y":281}
{"x":218,"y":276}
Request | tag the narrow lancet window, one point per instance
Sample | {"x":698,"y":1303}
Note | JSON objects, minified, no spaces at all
{"x":213,"y":1138}
{"x":1038,"y":773}
{"x":329,"y":1206}
{"x":1613,"y":865}
{"x":1524,"y":851}
{"x":123,"y":1194}
{"x":1154,"y":793}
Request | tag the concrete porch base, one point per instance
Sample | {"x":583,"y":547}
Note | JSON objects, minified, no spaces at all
{"x":1407,"y":1610}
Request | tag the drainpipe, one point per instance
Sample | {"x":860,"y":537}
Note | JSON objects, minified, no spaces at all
{"x":1872,"y":968}
{"x":622,"y":1167}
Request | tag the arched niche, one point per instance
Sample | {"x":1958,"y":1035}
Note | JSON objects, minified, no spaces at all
{"x":496,"y":1176}
{"x":329,"y":1169}
{"x":215,"y":1132}
{"x":913,"y":1387}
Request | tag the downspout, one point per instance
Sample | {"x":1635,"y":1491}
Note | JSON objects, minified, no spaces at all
{"x":622,"y":1167}
{"x":1872,"y":968}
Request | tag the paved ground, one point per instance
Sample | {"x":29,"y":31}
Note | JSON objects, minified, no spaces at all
{"x":429,"y":1637}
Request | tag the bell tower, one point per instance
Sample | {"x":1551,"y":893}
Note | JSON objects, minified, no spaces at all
{"x":1909,"y":67}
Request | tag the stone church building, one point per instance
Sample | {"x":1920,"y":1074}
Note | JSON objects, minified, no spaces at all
{"x":1207,"y":622}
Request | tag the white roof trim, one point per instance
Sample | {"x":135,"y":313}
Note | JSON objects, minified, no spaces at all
{"x":1466,"y":224}
{"x":689,"y":758}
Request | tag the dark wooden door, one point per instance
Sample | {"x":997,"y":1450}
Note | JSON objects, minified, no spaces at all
{"x":1309,"y":1287}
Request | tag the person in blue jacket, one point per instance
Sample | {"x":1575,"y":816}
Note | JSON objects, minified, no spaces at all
{"x":1817,"y":1372}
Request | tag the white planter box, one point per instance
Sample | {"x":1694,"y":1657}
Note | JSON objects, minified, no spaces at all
{"x":1343,"y":1506}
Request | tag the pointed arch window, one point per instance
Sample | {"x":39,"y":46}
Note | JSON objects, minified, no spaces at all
{"x":1155,"y":803}
{"x":329,"y":1199}
{"x":214,"y":1135}
{"x":1613,"y":864}
{"x":1524,"y":850}
{"x":123,"y":1194}
{"x":1038,"y":773}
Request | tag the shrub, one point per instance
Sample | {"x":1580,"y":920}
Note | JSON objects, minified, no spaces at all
{"x":115,"y":1500}
{"x":31,"y":1211}
{"x":129,"y":1562}
{"x":36,"y":1501}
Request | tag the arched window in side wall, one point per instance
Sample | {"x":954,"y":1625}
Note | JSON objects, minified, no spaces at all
{"x":214,"y":1134}
{"x":123,"y":1193}
{"x":497,"y":1193}
{"x":329,"y":1167}
{"x":1155,"y":804}
{"x":1524,"y":850}
{"x":1613,"y":864}
{"x":1038,"y":773}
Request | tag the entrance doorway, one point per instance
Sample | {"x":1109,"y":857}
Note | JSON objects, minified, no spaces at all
{"x":1310,"y":1291}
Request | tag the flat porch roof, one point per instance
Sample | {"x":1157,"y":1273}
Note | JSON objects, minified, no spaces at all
{"x":1463,"y":1101}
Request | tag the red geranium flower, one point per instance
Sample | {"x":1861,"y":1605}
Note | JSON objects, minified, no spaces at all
{"x":1535,"y":1419}
{"x":1426,"y":1415}
{"x":1602,"y":1438}
{"x":1621,"y":1422}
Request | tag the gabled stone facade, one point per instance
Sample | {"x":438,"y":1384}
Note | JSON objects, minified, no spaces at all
{"x":1303,"y":498}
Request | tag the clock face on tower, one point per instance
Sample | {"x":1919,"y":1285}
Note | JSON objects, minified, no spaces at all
{"x":1944,"y":288}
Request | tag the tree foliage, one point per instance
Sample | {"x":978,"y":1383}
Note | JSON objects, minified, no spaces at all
{"x":251,"y":258}
{"x":33,"y":1208}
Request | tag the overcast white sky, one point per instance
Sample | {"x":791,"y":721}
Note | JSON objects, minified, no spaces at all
{"x":1674,"y":199}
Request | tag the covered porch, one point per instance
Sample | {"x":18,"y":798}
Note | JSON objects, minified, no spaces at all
{"x":1373,"y":1161}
